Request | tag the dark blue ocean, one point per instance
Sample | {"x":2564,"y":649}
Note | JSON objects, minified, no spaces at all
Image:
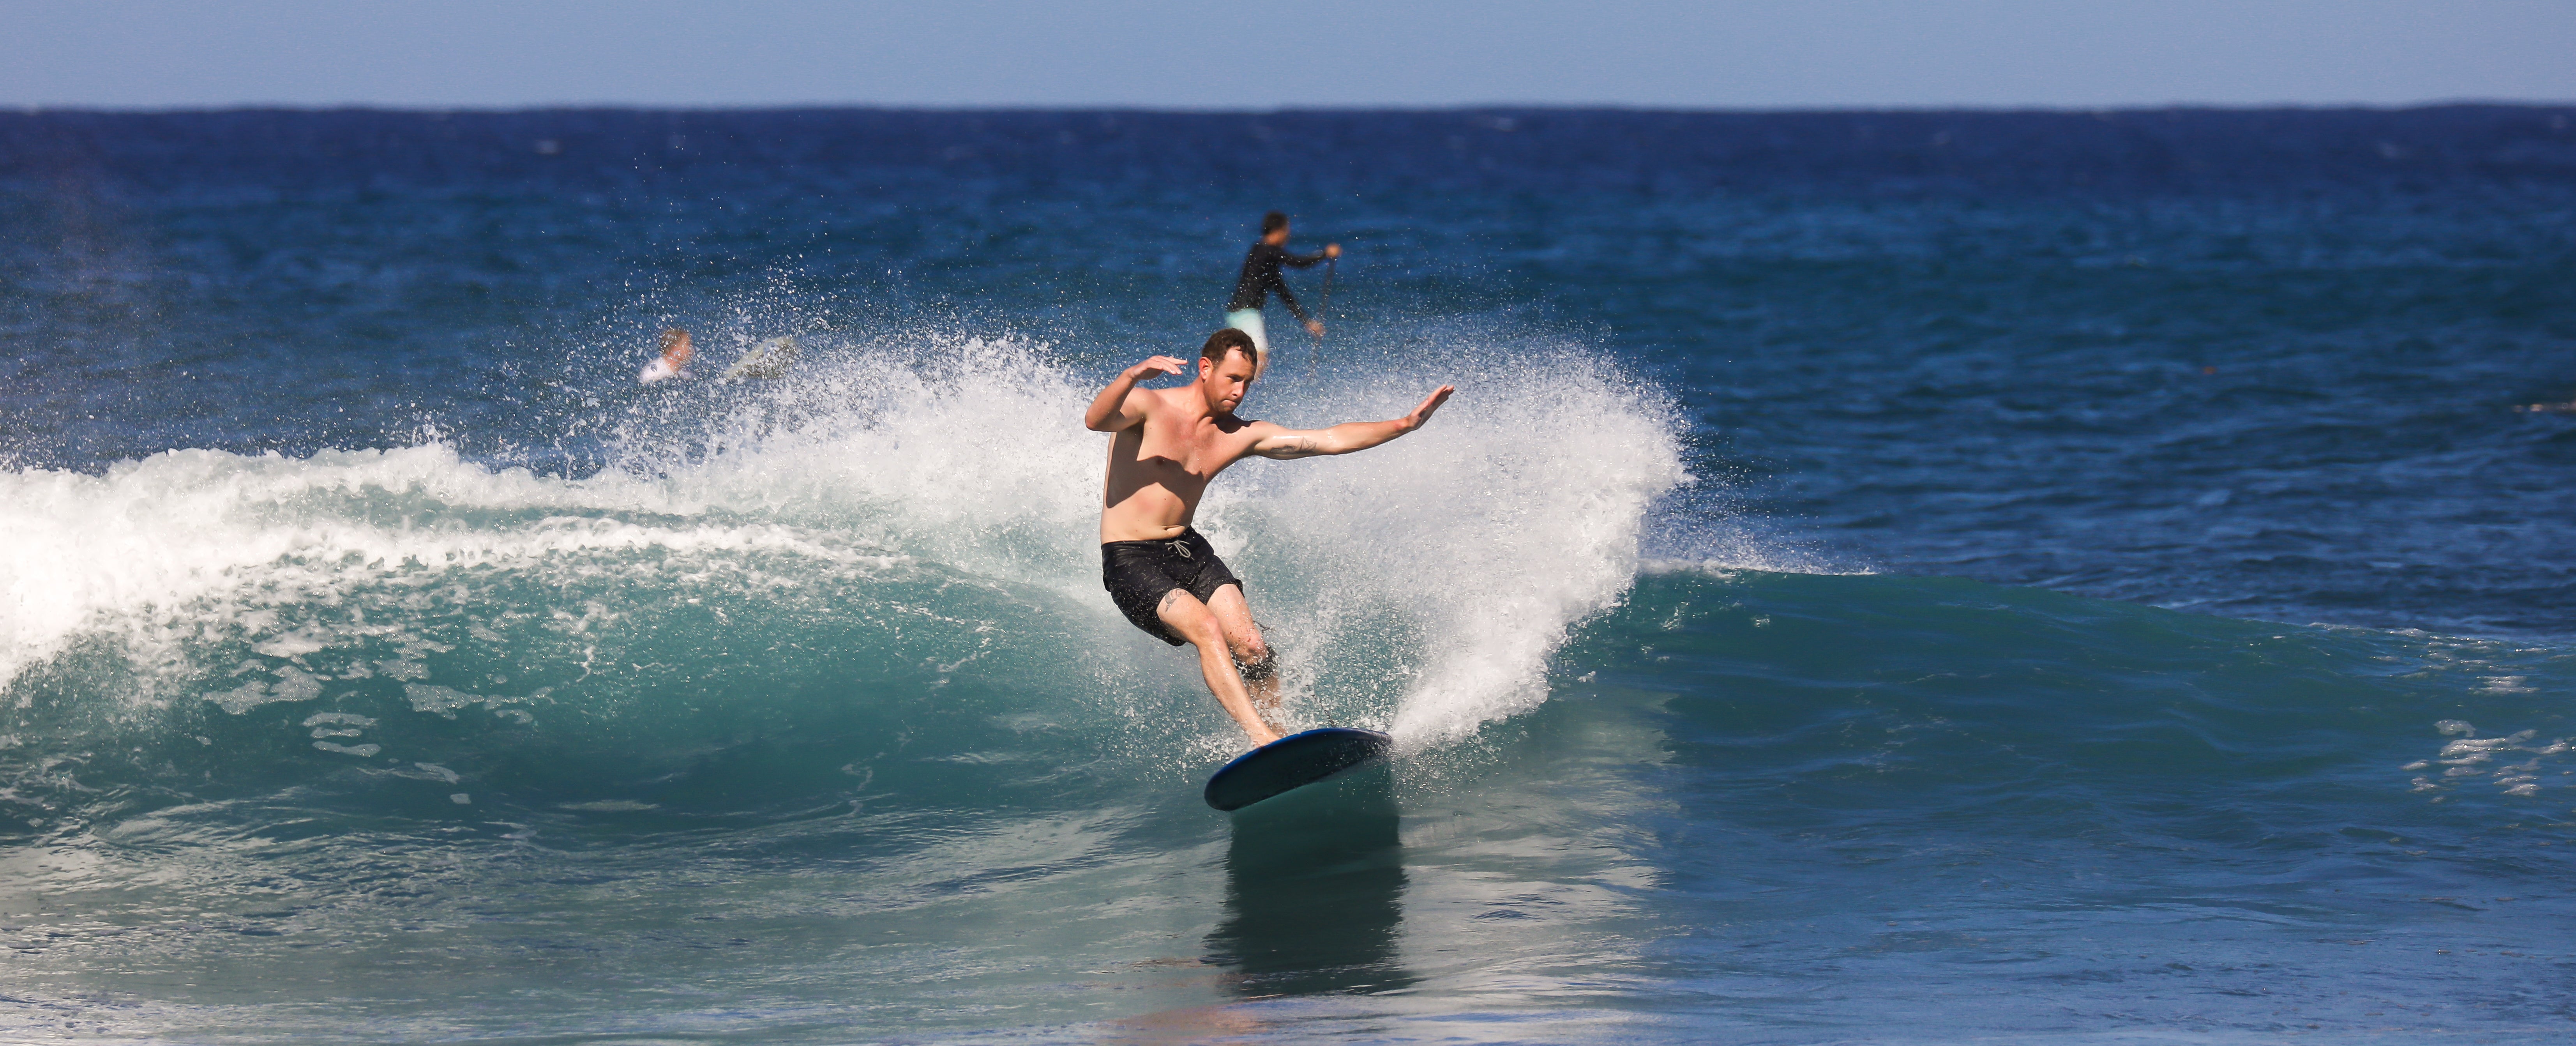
{"x":1885,"y":577}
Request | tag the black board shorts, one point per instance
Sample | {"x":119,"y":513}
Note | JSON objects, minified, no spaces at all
{"x":1139,"y":573}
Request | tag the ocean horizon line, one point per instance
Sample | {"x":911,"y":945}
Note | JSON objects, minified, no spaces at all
{"x":2428,"y":105}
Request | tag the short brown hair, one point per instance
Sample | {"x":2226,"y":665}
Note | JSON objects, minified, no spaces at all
{"x":1228,"y":340}
{"x":1273,"y":222}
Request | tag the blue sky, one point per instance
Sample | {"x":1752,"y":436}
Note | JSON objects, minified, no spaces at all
{"x":1147,"y":53}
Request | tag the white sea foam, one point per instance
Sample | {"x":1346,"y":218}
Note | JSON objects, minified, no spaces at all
{"x":1456,"y":560}
{"x":166,"y":551}
{"x":1477,"y":542}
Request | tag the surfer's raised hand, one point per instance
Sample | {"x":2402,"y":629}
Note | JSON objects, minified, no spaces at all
{"x":1110,"y":411}
{"x":1273,"y":441}
{"x":1430,"y":403}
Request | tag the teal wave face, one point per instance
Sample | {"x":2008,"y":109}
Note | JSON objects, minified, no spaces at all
{"x":910,"y":785}
{"x":888,"y":559}
{"x":764,"y":706}
{"x":444,"y":683}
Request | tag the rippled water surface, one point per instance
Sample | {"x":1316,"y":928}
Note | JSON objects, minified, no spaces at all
{"x":1885,"y":577}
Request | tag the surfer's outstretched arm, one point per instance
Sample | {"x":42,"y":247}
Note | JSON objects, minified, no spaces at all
{"x":1348,"y":436}
{"x":1111,"y":411}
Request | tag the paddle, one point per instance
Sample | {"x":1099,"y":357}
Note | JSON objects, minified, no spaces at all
{"x":1323,"y":304}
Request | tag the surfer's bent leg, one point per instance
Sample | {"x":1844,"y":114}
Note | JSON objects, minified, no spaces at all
{"x":1258,"y":663}
{"x":1214,"y":584}
{"x":1162,"y":587}
{"x":1190,"y":619}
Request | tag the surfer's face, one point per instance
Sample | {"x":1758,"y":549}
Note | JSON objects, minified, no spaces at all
{"x":1224,"y":383}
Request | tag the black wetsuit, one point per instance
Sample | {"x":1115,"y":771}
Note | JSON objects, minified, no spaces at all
{"x":1261,"y":276}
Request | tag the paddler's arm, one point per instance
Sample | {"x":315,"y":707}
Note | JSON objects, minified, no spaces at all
{"x":1331,"y":250}
{"x":1109,"y":411}
{"x":1308,"y":261}
{"x":1346,"y":437}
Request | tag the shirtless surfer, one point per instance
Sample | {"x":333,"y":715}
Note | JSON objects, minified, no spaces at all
{"x":1169,"y":444}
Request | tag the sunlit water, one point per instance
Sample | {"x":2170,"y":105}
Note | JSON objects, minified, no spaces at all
{"x":1917,"y":577}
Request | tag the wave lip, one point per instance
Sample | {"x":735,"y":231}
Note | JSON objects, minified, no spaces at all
{"x":1420,"y":586}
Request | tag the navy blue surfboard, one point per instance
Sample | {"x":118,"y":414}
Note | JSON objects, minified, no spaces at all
{"x":1292,"y":762}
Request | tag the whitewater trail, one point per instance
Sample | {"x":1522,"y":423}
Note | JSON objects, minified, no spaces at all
{"x":1420,"y":586}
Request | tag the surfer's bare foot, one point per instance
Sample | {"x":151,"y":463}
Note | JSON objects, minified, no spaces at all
{"x":1257,"y":725}
{"x":1273,"y":720}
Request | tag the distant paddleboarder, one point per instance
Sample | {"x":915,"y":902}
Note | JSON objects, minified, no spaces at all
{"x":673,"y":361}
{"x":1261,"y":277}
{"x":1169,"y":443}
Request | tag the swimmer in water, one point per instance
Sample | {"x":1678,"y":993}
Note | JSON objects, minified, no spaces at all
{"x":676,"y":351}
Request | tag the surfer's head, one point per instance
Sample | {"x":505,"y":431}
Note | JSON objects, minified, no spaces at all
{"x":1227,"y":365}
{"x":1274,"y":228}
{"x":676,"y":349}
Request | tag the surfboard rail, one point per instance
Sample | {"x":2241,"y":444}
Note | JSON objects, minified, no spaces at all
{"x":1292,"y":762}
